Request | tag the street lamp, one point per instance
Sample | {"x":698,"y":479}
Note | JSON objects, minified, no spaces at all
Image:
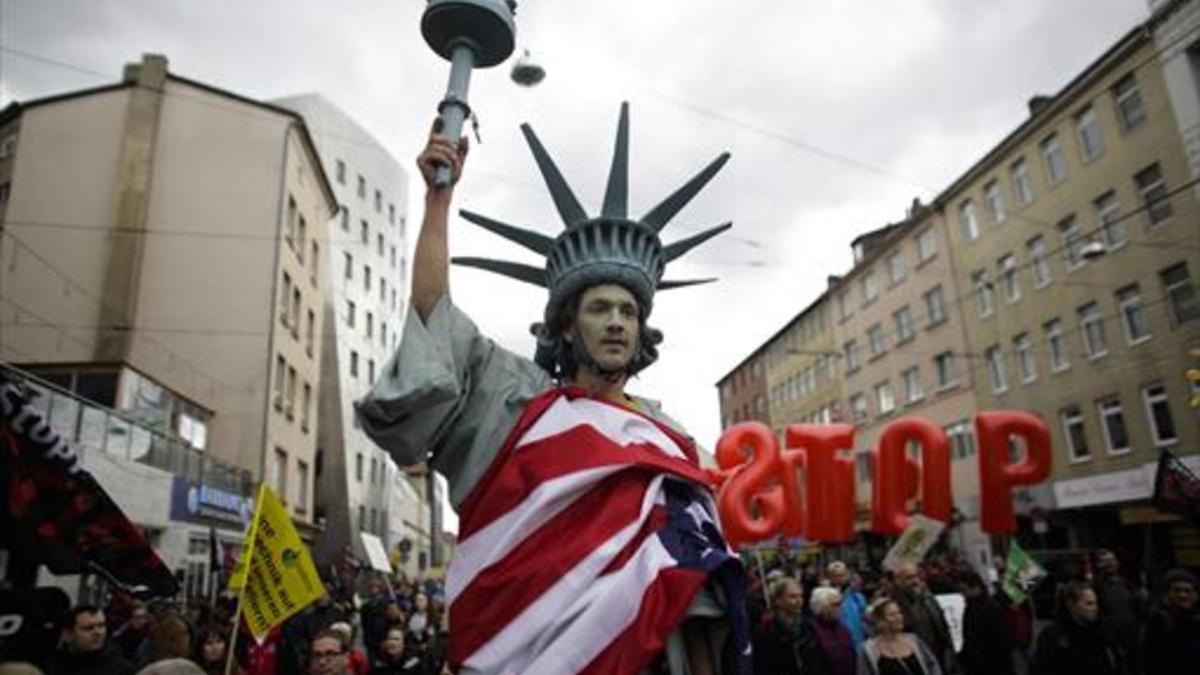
{"x":526,"y":72}
{"x":468,"y":34}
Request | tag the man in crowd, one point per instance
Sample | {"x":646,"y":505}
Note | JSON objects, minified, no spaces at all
{"x":1173,"y":628}
{"x":328,"y":653}
{"x":987,"y":645}
{"x":923,"y":615}
{"x":85,"y":650}
{"x":571,"y":493}
{"x":854,"y":605}
{"x":1120,"y":605}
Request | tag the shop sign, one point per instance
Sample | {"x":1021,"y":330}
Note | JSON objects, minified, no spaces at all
{"x":199,"y":502}
{"x":1108,"y":488}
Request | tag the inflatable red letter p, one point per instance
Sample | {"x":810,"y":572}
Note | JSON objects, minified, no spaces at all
{"x":998,"y":475}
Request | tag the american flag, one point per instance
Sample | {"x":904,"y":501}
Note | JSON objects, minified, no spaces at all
{"x":584,"y":544}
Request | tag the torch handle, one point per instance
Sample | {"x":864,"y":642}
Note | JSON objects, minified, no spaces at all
{"x":454,"y":108}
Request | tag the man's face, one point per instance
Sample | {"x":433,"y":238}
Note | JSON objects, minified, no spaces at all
{"x":1086,"y":606}
{"x":1182,"y":596}
{"x":88,"y":633}
{"x":607,"y":322}
{"x":839,"y":576}
{"x":140,"y":617}
{"x":909,"y":578}
{"x":792,"y":600}
{"x":326,"y":657}
{"x":1108,"y":563}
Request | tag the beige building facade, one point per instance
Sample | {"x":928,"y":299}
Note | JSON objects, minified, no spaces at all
{"x":163,"y":254}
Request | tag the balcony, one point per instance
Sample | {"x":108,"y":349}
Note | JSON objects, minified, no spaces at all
{"x":89,"y":427}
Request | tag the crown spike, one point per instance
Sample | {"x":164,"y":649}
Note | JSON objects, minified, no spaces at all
{"x":660,"y":215}
{"x":673,"y":251}
{"x":616,"y":196}
{"x":526,"y":273}
{"x":538,"y":243}
{"x":669,"y":284}
{"x":564,"y":200}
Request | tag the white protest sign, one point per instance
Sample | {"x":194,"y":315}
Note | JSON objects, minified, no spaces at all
{"x":914,"y":543}
{"x":954,"y":605}
{"x":376,"y":554}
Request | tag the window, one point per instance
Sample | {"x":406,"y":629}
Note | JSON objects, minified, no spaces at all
{"x":1009,"y":279}
{"x":370,"y":325}
{"x":1041,"y":267}
{"x":1108,"y":212}
{"x":995,"y":201}
{"x":968,"y":226}
{"x":1112,"y":422}
{"x":1153,"y":188}
{"x":392,"y":255}
{"x":340,"y":171}
{"x":912,"y":385}
{"x":362,"y":517}
{"x":1059,"y":359}
{"x":391,"y":214}
{"x":1158,"y":411}
{"x":870,"y":289}
{"x":1087,"y":128}
{"x":295,"y":315}
{"x":1072,"y":421}
{"x":853,"y":361}
{"x":362,"y":187}
{"x":1133,"y":315}
{"x":884,"y":400}
{"x":1026,"y":364}
{"x":1181,"y":294}
{"x":316,"y":262}
{"x":279,"y":470}
{"x":289,"y":232}
{"x":383,"y":333}
{"x":858,"y":407}
{"x":904,"y":324}
{"x":1129,"y":102}
{"x":985,"y":293}
{"x":350,"y":313}
{"x":309,"y":332}
{"x":290,"y":400}
{"x":962,"y":440}
{"x":301,"y":238}
{"x":1073,"y":242}
{"x":926,"y":245}
{"x":896,"y":269}
{"x":374,"y":469}
{"x":349,"y":271}
{"x":353,"y":363}
{"x":935,"y":306}
{"x":358,"y":467}
{"x":1056,"y":164}
{"x":378,"y":202}
{"x":1091,"y":326}
{"x":1022,"y":185}
{"x":382,"y":289}
{"x":370,"y":370}
{"x":301,"y":499}
{"x":943,"y":365}
{"x":875,"y":340}
{"x":995,"y":361}
{"x":285,"y":299}
{"x":367,"y":278}
{"x":845,"y":311}
{"x":280,"y":380}
{"x":865,"y":465}
{"x":306,"y":403}
{"x":364,"y":231}
{"x":345,"y":217}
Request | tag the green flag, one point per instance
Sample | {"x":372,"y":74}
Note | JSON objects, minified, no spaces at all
{"x":1021,"y":573}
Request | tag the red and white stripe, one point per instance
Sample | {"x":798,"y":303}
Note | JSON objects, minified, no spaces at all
{"x":558,"y":569}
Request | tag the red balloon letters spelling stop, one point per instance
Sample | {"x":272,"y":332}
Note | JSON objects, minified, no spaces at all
{"x":807,"y":489}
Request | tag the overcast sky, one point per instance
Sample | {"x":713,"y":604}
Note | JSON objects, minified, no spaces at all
{"x":837,"y":114}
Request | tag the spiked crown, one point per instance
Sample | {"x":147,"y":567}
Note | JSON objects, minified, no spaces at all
{"x":610,"y":248}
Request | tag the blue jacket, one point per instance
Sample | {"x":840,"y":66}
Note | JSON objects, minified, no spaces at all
{"x":854,"y":609}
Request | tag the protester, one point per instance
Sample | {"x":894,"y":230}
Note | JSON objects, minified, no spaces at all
{"x":172,"y":666}
{"x":130,"y":637}
{"x":1121,"y":604}
{"x":374,"y":615}
{"x":854,"y":605}
{"x":786,"y":644}
{"x":170,"y":638}
{"x":356,"y":661}
{"x":328,"y":654}
{"x":210,"y":650}
{"x":299,"y":631}
{"x":397,"y":658}
{"x":1173,"y":628}
{"x":835,"y":644}
{"x":85,"y":651}
{"x":1078,"y":641}
{"x":923,"y":615}
{"x":987,"y":645}
{"x":892,"y":651}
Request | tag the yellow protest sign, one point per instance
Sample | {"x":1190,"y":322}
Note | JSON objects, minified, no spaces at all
{"x":275,"y":575}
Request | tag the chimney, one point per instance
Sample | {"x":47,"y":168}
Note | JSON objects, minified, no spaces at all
{"x":1037,"y":104}
{"x":150,"y":73}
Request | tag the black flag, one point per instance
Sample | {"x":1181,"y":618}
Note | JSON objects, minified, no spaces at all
{"x":1176,"y":488}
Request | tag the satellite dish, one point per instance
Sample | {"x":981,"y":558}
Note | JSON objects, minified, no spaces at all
{"x":526,"y":72}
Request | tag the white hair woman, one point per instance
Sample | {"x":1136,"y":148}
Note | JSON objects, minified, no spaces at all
{"x":834,"y":642}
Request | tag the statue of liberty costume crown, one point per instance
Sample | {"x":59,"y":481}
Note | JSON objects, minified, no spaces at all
{"x":608,"y":249}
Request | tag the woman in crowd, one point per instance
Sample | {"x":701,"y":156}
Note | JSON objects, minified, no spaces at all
{"x":834,"y":643}
{"x":785,"y":645}
{"x":892,"y":651}
{"x":396,"y":658}
{"x":1078,"y":641}
{"x":210,"y":650}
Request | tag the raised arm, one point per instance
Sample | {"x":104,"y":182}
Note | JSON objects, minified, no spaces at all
{"x":431,"y":260}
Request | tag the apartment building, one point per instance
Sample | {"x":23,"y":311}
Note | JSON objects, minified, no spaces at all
{"x":802,"y":380}
{"x":161,"y":257}
{"x":743,"y":391}
{"x":1076,"y":242}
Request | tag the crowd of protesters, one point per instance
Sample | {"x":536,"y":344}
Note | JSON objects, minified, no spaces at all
{"x":842,"y":622}
{"x":835,"y":620}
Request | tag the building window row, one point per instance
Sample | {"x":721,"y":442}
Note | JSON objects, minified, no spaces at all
{"x":926,"y":245}
{"x":284,"y":399}
{"x":1114,"y":432}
